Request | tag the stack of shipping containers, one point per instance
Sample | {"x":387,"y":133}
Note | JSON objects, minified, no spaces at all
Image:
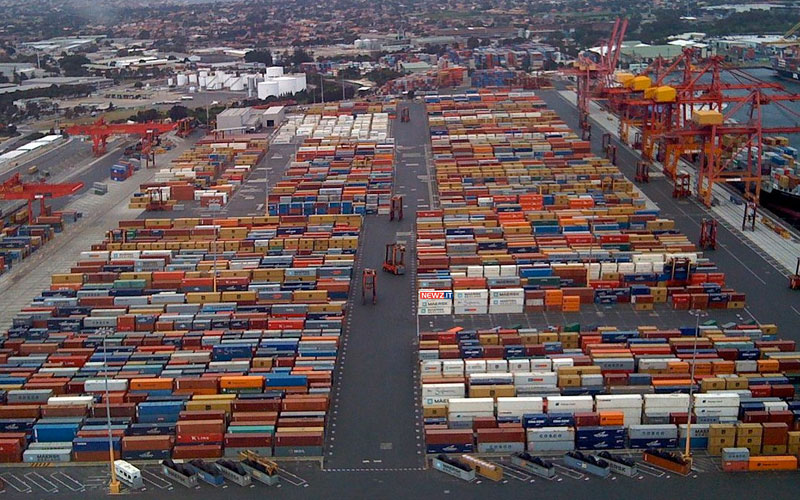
{"x":531,"y":221}
{"x":222,"y":333}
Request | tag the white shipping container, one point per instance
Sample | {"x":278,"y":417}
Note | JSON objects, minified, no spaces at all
{"x":71,"y":401}
{"x":430,"y":367}
{"x":449,"y":390}
{"x":519,"y":365}
{"x":562,"y":362}
{"x":569,"y":404}
{"x":491,"y":378}
{"x":516,"y":407}
{"x":716,"y":399}
{"x":546,"y":379}
{"x":99,"y":385}
{"x":680,"y":401}
{"x":551,"y":434}
{"x":474,"y":366}
{"x":541,"y":364}
{"x":453,"y":367}
{"x":507,"y":309}
{"x":618,"y":401}
{"x":717,"y":411}
{"x":496,"y":365}
{"x":466,"y":405}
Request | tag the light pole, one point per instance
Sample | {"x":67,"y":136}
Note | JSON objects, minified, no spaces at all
{"x":208,"y":120}
{"x":687,"y":452}
{"x":114,"y":485}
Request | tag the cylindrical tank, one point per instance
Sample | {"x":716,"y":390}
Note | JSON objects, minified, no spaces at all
{"x":285,"y":85}
{"x":182,"y":80}
{"x":267,"y":89}
{"x":202,"y":81}
{"x":192,"y":79}
{"x":170,"y":82}
{"x":274,"y":71}
{"x":237,"y":83}
{"x":301,"y":85}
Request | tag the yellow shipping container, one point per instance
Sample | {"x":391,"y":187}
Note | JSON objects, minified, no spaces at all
{"x":706,"y":117}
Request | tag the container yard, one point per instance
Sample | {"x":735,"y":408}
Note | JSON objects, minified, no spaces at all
{"x":556,"y":324}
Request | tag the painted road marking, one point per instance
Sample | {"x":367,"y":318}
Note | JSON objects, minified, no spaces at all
{"x":67,"y":480}
{"x":16,"y":483}
{"x":35,"y":478}
{"x":569,"y":472}
{"x":291,"y":478}
{"x":155,"y":480}
{"x":649,"y":470}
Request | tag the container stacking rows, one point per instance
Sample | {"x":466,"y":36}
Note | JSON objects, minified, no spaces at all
{"x":20,"y":241}
{"x":343,"y":166}
{"x":208,"y":173}
{"x":216,"y":335}
{"x":530,"y":220}
{"x":508,"y":390}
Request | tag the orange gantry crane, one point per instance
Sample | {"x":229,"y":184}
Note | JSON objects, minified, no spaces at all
{"x":100,"y":131}
{"x":14,"y":189}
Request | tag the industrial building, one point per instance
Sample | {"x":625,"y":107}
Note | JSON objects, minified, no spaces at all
{"x":249,"y":119}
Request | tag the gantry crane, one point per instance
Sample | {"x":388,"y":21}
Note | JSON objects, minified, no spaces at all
{"x":100,"y":131}
{"x":14,"y":189}
{"x":594,"y":77}
{"x":691,"y":112}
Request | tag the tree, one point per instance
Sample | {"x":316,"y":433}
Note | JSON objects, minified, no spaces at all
{"x":259,"y":56}
{"x":72,"y":65}
{"x":300,"y":56}
{"x":177,"y":112}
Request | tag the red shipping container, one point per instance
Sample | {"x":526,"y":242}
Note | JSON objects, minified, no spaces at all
{"x":244,"y":440}
{"x":146,"y":443}
{"x":198,"y":451}
{"x":298,"y":438}
{"x":501,"y":435}
{"x":206,"y":437}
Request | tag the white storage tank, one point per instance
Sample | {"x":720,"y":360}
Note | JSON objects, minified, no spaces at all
{"x":182,"y":80}
{"x":202,"y":81}
{"x":267,"y":89}
{"x":237,"y":83}
{"x":170,"y":82}
{"x":285,"y":85}
{"x":300,"y":82}
{"x":192,"y":78}
{"x":274,"y":71}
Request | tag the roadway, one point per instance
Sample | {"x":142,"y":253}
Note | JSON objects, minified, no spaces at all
{"x":374,"y":440}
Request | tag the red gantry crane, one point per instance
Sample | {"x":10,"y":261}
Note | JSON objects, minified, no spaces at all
{"x":593,"y":78}
{"x":100,"y":131}
{"x":690,"y":111}
{"x":14,"y":189}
